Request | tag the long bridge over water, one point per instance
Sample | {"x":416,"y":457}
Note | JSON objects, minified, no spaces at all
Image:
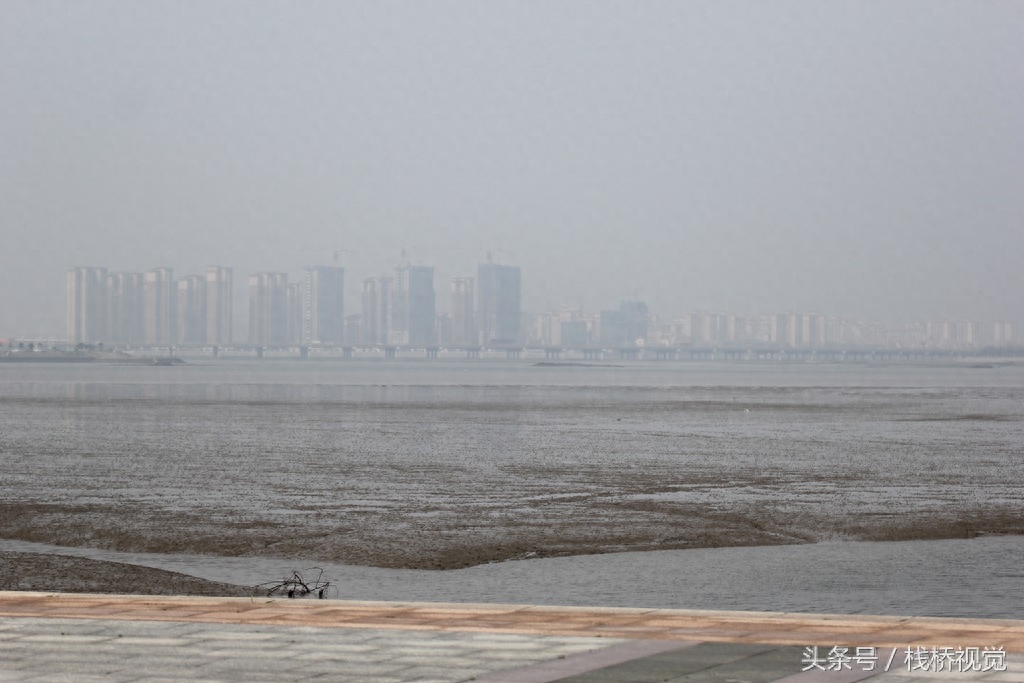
{"x":555,"y":353}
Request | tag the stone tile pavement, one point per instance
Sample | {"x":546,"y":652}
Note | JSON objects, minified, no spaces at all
{"x":54,"y":637}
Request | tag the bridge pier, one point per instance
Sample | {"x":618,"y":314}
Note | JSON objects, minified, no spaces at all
{"x":390,"y":351}
{"x":513,"y":353}
{"x":216,"y":351}
{"x":552,"y":353}
{"x":304,"y":352}
{"x":259,"y":352}
{"x":346,"y":352}
{"x":432,"y":352}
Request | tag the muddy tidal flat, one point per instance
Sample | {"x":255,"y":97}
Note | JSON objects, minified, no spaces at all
{"x":453,"y":464}
{"x":48,"y":572}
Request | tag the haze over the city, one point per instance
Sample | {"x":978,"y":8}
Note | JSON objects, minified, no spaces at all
{"x":863,"y":159}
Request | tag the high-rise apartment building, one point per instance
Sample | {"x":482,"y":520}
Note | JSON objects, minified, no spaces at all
{"x":613,"y":329}
{"x":294,"y":306}
{"x":700,"y":328}
{"x":376,"y":310}
{"x":626,"y":326}
{"x":736,"y":329}
{"x":160,"y":312}
{"x":443,"y":328}
{"x":87,"y":305}
{"x":788,"y":329}
{"x":323,"y":305}
{"x":544,"y":329}
{"x":711,"y":329}
{"x":463,"y":330}
{"x":499,"y":309}
{"x":219,"y":305}
{"x":816,"y":330}
{"x":574,"y":333}
{"x":268,"y":308}
{"x":354,"y":329}
{"x":126,"y":308}
{"x":414,"y":306}
{"x":191,"y":314}
{"x":635,"y":314}
{"x":1003,"y":333}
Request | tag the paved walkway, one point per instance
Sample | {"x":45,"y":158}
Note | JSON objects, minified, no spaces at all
{"x":64,"y":637}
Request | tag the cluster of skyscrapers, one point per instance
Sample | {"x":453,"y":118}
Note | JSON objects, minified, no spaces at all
{"x":397,"y":310}
{"x":153,"y":308}
{"x":631,"y":325}
{"x":124,"y":309}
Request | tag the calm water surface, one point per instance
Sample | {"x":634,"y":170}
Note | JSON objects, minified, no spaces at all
{"x":980,"y":577}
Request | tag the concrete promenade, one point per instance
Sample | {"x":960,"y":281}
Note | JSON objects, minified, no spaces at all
{"x":74,"y":637}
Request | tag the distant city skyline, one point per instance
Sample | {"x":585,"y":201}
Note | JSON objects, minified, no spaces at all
{"x":752,"y":158}
{"x":444,"y":274}
{"x":121,"y":309}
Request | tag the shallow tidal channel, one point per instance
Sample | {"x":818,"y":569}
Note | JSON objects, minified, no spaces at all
{"x":971,"y":578}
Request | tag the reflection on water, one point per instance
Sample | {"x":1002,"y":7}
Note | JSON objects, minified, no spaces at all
{"x":981,"y":577}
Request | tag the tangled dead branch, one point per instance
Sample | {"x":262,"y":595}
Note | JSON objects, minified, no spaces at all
{"x":295,"y":586}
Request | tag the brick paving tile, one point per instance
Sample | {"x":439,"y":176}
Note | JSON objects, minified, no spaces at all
{"x":229,"y":636}
{"x":439,"y":675}
{"x":1012,"y":644}
{"x":959,"y":639}
{"x":509,"y":618}
{"x":557,"y":669}
{"x":79,"y":678}
{"x":850,"y":676}
{"x":671,"y":664}
{"x":342,"y":650}
{"x":238,"y":639}
{"x":929,"y":640}
{"x":352,"y":668}
{"x":283,"y":651}
{"x":148,"y":641}
{"x":84,"y":612}
{"x":32,"y":641}
{"x":454,"y":661}
{"x":965,"y":623}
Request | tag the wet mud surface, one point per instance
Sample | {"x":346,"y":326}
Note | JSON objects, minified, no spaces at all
{"x":64,"y":574}
{"x":449,"y":542}
{"x":448,"y":476}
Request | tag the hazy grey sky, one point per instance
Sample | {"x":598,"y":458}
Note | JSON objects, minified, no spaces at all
{"x":861,"y":158}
